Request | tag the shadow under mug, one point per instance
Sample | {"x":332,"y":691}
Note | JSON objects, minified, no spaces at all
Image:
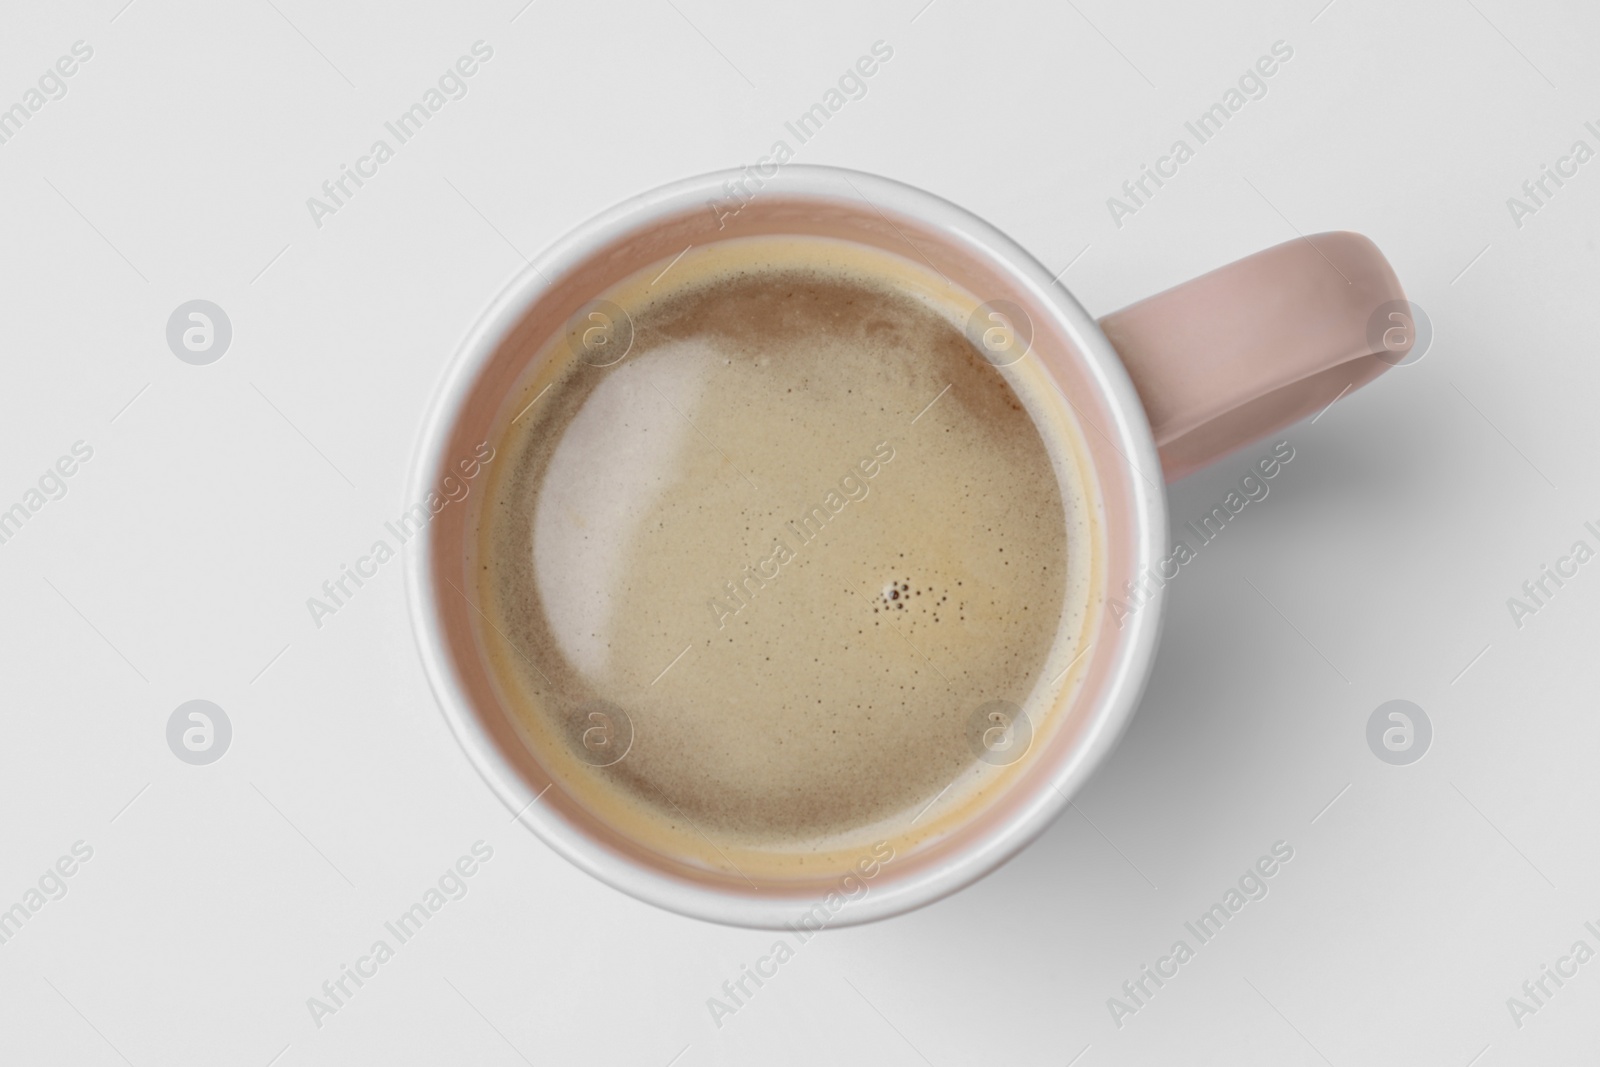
{"x":1159,"y":389}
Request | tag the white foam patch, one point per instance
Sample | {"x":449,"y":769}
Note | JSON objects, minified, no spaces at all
{"x":633,"y":430}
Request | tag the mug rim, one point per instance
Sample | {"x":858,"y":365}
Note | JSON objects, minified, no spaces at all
{"x":1127,"y":424}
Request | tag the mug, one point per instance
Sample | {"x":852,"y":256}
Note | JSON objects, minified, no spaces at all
{"x":1158,"y":390}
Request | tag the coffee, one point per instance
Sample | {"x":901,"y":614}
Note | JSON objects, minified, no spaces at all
{"x":777,"y":571}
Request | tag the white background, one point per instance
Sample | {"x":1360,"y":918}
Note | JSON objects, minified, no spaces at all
{"x":178,"y":565}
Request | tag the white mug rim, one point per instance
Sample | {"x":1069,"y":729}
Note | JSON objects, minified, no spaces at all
{"x":1137,"y":638}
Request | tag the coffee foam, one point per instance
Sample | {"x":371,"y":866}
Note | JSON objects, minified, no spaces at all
{"x":798,"y":536}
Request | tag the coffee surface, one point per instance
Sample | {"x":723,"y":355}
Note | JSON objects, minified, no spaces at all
{"x":767,"y":567}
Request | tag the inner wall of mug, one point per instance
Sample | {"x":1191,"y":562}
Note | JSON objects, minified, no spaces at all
{"x":482,"y":416}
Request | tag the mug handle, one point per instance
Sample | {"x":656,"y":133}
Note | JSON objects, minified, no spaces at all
{"x":1254,"y":346}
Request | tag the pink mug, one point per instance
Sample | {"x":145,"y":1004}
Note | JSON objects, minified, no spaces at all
{"x":1162,"y":387}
